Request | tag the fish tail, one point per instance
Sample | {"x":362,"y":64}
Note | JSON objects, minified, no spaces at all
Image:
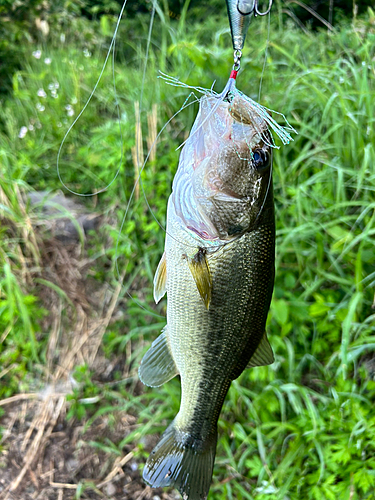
{"x":182,"y":461}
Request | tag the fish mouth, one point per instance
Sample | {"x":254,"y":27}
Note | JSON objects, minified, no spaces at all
{"x":225,"y":171}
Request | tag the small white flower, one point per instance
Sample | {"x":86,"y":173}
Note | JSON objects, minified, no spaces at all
{"x":41,"y":93}
{"x":62,"y":37}
{"x":40,"y":107}
{"x":47,"y":60}
{"x":53,"y":88}
{"x":266,"y":488}
{"x":31,"y":127}
{"x":37,"y":54}
{"x":54,"y":94}
{"x":23,"y":132}
{"x":59,"y":124}
{"x":38,"y":124}
{"x":69,"y":110}
{"x":86,"y":53}
{"x":74,"y":100}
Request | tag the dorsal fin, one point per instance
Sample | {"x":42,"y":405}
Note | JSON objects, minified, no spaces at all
{"x":160,"y":279}
{"x":200,"y":271}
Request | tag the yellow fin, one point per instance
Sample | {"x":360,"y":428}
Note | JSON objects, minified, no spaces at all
{"x":263,"y":355}
{"x":160,"y":279}
{"x":200,"y":271}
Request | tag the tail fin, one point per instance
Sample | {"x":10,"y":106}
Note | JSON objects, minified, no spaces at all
{"x":180,"y":460}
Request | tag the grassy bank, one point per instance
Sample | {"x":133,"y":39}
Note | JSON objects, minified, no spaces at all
{"x":303,"y":427}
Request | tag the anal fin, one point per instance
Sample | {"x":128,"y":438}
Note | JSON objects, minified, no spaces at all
{"x":200,"y":271}
{"x":263,"y":355}
{"x":158,"y":366}
{"x":160,"y":279}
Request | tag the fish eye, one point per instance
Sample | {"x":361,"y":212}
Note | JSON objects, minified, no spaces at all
{"x":261,"y":159}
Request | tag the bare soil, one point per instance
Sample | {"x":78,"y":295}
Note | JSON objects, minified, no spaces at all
{"x":66,"y":460}
{"x":44,"y":455}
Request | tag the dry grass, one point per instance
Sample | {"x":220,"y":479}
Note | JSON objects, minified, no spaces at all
{"x":43,"y":456}
{"x":50,"y":458}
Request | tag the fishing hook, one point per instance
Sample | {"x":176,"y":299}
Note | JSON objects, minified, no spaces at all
{"x":256,"y":8}
{"x":247,"y":7}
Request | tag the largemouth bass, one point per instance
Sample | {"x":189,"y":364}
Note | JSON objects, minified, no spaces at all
{"x":218,"y":272}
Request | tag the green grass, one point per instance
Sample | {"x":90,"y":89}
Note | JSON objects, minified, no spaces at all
{"x":303,"y":427}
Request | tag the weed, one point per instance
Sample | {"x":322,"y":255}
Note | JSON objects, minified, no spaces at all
{"x":304,"y":426}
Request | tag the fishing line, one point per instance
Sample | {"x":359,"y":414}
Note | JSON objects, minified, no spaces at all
{"x":112,"y":45}
{"x":185,"y":105}
{"x":137,"y":125}
{"x":112,"y":48}
{"x":258,"y":109}
{"x":118,"y":110}
{"x":265,"y":55}
{"x":147,"y":53}
{"x":139,"y":179}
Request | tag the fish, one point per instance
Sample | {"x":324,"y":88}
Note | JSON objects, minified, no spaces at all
{"x":218,"y":272}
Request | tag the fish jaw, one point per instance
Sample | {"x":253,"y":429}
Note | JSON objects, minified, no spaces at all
{"x":217,"y":191}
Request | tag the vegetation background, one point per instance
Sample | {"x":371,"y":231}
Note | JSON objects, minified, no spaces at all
{"x":76,"y":306}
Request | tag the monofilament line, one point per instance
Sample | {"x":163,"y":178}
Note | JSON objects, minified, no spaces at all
{"x":112,"y":45}
{"x":265,"y":55}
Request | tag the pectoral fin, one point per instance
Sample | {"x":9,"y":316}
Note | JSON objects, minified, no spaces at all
{"x":158,"y":366}
{"x":200,"y":271}
{"x":160,"y":279}
{"x":263,"y":355}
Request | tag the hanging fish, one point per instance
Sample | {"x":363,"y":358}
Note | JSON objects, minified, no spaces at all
{"x":218,"y":272}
